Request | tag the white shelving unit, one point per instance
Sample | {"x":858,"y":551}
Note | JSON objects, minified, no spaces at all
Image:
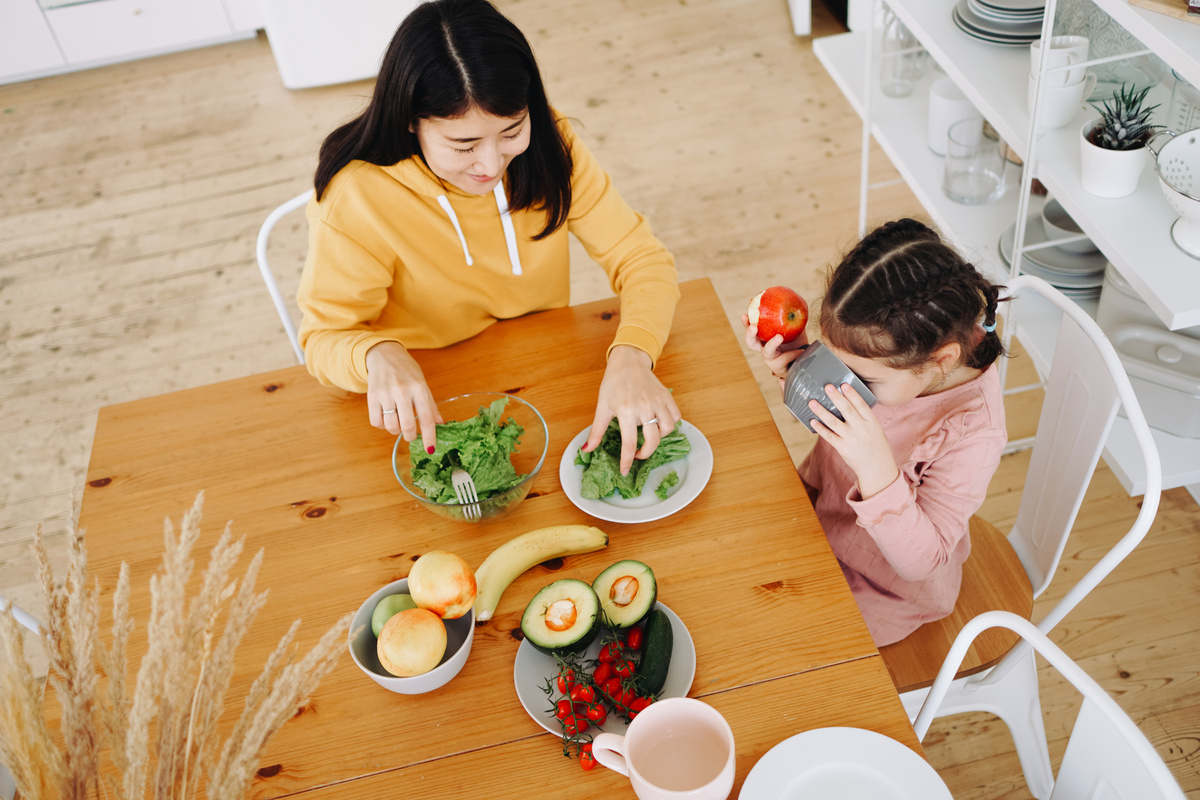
{"x":1133,"y":232}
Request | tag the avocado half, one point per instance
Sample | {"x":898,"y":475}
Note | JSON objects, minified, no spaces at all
{"x":627,"y":591}
{"x":563,"y":617}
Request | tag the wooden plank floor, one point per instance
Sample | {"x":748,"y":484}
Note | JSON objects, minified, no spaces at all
{"x":130,"y":198}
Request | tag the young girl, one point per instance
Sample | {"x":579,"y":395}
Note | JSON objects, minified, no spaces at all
{"x":895,"y":485}
{"x":446,"y":205}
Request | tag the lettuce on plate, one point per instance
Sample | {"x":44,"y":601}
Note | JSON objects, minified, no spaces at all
{"x":482,"y":445}
{"x":602,"y":467}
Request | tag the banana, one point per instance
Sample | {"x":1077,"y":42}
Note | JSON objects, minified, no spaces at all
{"x":516,"y":555}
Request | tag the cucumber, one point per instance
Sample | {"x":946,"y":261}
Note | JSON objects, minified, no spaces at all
{"x":656,"y":653}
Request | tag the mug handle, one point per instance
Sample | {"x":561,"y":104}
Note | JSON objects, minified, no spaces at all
{"x":609,"y":750}
{"x":1090,"y":79}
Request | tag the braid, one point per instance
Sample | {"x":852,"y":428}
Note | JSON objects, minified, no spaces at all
{"x":901,"y":293}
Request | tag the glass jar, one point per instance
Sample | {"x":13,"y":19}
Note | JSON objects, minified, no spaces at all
{"x":901,"y":59}
{"x":1183,"y":112}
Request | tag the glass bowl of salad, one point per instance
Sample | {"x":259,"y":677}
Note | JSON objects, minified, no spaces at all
{"x":499,"y":439}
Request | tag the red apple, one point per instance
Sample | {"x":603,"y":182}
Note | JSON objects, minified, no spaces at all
{"x":778,"y":310}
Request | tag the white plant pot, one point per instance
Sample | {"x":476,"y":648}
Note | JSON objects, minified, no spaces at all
{"x":1109,"y":173}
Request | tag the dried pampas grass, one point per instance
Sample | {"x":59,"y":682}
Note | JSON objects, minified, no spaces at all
{"x":162,"y":739}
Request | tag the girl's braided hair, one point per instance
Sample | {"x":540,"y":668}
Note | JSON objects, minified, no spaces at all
{"x":902,"y":293}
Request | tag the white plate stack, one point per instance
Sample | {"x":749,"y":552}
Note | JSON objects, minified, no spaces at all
{"x":1012,"y":23}
{"x":1077,"y":275}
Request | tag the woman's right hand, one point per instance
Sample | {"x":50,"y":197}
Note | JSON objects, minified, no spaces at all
{"x":777,"y":354}
{"x":395,"y":381}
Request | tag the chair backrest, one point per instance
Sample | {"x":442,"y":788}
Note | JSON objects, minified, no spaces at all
{"x":1107,"y":757}
{"x":264,"y":267}
{"x":1085,"y":387}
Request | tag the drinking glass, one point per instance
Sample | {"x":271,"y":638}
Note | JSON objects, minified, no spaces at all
{"x":901,"y":58}
{"x":974,"y":163}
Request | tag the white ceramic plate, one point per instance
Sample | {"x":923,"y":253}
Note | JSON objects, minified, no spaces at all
{"x":842,"y":763}
{"x":694,"y":472}
{"x":1010,"y":30}
{"x":1057,"y":267}
{"x":974,"y":33}
{"x":532,"y":668}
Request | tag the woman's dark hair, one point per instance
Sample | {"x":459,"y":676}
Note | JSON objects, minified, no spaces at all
{"x":447,"y":57}
{"x":902,"y":293}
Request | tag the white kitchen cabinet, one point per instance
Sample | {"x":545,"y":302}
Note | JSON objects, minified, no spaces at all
{"x":1133,"y":232}
{"x":26,"y":43}
{"x":116,"y":29}
{"x":39,"y":39}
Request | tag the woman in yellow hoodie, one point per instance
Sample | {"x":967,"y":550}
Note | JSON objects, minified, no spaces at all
{"x":446,"y":205}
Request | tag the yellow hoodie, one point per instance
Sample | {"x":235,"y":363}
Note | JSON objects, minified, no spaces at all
{"x":396,"y":254}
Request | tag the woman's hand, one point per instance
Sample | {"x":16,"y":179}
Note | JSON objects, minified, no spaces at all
{"x":632,"y":394}
{"x":777,"y":354}
{"x":396,"y":385}
{"x":859,"y":439}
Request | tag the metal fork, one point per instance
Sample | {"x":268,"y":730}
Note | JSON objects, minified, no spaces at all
{"x":464,"y":490}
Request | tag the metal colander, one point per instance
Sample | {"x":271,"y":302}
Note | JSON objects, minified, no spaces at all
{"x":1178,"y":166}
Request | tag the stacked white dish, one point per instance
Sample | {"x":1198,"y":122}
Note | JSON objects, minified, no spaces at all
{"x":1013,"y":23}
{"x":1077,"y":275}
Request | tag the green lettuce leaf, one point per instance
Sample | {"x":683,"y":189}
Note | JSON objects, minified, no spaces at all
{"x":601,"y":467}
{"x":482,"y":445}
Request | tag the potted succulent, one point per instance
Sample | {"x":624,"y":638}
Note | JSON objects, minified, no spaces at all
{"x":1113,"y":150}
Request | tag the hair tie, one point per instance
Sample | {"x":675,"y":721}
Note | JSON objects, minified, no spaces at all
{"x":988,"y":328}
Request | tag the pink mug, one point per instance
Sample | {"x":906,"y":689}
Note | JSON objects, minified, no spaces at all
{"x":675,"y":749}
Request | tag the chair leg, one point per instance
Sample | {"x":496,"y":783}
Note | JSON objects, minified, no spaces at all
{"x":1014,"y":699}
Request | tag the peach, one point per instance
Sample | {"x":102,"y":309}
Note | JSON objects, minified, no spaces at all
{"x":443,"y":583}
{"x":412,"y":642}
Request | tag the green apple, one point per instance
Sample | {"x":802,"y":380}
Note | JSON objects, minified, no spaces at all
{"x":387,"y":608}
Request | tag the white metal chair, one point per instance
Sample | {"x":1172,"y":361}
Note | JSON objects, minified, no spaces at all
{"x":264,"y":235}
{"x":1107,"y":757}
{"x":8,"y":787}
{"x":1085,"y":386}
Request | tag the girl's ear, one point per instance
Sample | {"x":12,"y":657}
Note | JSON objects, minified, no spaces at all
{"x":947,"y":355}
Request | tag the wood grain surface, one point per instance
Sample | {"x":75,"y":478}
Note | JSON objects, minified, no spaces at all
{"x":852,"y":694}
{"x":301,"y":474}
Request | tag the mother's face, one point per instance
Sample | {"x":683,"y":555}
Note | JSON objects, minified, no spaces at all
{"x":473,"y":151}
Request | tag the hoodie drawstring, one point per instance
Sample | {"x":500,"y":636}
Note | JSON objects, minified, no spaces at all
{"x":510,"y":233}
{"x":444,"y":202}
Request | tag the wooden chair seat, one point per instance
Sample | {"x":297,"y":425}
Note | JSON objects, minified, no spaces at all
{"x":993,"y":579}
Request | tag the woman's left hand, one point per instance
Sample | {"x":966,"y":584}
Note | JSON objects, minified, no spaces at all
{"x":858,"y":438}
{"x":632,"y":394}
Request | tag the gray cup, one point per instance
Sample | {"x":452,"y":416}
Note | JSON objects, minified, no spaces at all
{"x":807,"y":378}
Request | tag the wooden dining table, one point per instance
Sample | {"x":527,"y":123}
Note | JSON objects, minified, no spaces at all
{"x":298,"y":471}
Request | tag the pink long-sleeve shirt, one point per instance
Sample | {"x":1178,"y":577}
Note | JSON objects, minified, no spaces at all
{"x":902,"y":550}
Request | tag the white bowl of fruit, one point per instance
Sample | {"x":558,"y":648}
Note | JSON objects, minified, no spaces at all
{"x":414,"y":634}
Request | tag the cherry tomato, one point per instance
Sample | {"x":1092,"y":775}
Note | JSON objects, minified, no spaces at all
{"x":586,"y":759}
{"x":609,"y":652}
{"x":565,"y":680}
{"x":640,"y":703}
{"x":596,"y":714}
{"x":612,"y":687}
{"x":635,"y":638}
{"x":583,"y":694}
{"x":574,"y":725}
{"x":562,"y":708}
{"x":602,"y":673}
{"x":625,"y":697}
{"x":622,"y":667}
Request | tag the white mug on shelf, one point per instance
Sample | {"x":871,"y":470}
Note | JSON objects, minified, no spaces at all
{"x":677,"y":747}
{"x":1063,"y":51}
{"x":947,"y":105}
{"x":1060,"y":104}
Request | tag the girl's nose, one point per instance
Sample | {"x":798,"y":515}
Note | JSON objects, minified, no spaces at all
{"x":488,"y":162}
